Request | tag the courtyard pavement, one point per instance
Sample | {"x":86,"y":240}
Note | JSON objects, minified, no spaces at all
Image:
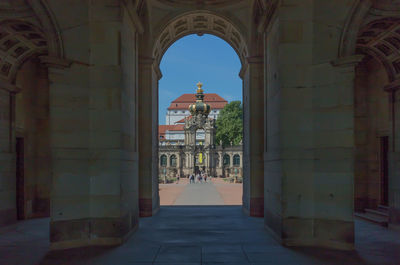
{"x":214,"y":192}
{"x":194,"y":235}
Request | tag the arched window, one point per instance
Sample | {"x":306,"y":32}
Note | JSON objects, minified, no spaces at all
{"x":163,"y":160}
{"x":227,"y":160}
{"x":172,"y":161}
{"x":236,"y":160}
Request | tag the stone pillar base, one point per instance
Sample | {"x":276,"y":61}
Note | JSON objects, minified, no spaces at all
{"x":333,"y":234}
{"x":146,"y":208}
{"x":256,"y":207}
{"x":91,"y":232}
{"x":394,"y":218}
{"x":8,"y":216}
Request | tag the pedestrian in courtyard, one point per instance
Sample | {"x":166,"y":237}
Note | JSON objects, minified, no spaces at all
{"x":205,"y":178}
{"x":178,"y":178}
{"x":191,"y":178}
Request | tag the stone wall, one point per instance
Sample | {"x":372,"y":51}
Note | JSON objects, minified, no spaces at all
{"x":372,"y":121}
{"x":92,"y":107}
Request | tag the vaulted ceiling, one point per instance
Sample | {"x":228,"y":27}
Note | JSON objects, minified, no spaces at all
{"x":381,"y":39}
{"x":18,"y":41}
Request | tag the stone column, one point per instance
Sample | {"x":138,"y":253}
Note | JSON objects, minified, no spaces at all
{"x":394,"y":157}
{"x":148,"y":143}
{"x":309,"y":160}
{"x":168,"y":161}
{"x":93,"y":142}
{"x":253,"y":148}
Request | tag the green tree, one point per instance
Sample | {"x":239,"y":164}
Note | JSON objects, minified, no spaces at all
{"x":230,"y":124}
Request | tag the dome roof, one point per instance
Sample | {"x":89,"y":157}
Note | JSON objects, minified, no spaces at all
{"x":199,"y":107}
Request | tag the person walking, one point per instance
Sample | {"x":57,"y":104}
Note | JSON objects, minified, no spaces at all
{"x":191,"y":178}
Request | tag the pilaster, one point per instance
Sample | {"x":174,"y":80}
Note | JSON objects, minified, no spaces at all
{"x":394,"y":156}
{"x":148,"y":142}
{"x":253,"y":134}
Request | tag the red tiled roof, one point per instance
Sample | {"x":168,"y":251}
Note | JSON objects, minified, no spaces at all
{"x":182,"y":121}
{"x":162,"y":129}
{"x":183,"y":102}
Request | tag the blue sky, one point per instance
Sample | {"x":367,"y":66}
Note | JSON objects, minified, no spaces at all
{"x":207,"y":59}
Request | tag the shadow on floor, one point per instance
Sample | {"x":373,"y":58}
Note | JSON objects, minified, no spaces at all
{"x":212,"y":235}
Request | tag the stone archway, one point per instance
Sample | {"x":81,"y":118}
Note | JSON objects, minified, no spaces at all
{"x":106,"y":99}
{"x":200,"y":22}
{"x":237,"y":35}
{"x":371,"y":42}
{"x":24,"y":97}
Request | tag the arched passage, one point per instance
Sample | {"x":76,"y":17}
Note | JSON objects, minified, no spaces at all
{"x":376,"y":111}
{"x":200,"y":22}
{"x":24,"y":129}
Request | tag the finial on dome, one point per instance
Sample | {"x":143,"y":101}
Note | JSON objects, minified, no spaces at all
{"x":199,"y":87}
{"x":199,"y":107}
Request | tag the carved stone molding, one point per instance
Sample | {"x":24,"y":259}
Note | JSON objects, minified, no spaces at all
{"x":348,"y":60}
{"x":393,"y":86}
{"x":214,"y":3}
{"x":4,"y":85}
{"x":55,"y":62}
{"x":200,"y":23}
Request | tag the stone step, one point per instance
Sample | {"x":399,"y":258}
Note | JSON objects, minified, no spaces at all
{"x":383,"y":208}
{"x":369,"y":217}
{"x":377,"y":212}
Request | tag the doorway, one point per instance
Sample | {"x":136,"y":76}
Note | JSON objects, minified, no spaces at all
{"x":384,"y":170}
{"x":20,"y":178}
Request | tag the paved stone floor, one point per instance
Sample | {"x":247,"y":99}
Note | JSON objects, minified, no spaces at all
{"x":214,"y":192}
{"x":199,"y":194}
{"x":196,"y":235}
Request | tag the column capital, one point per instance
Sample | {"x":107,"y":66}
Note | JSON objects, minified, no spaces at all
{"x":255,"y":59}
{"x":393,"y":86}
{"x":348,"y":61}
{"x":56,"y":62}
{"x":146,"y":60}
{"x":11,"y":88}
{"x":249,"y":61}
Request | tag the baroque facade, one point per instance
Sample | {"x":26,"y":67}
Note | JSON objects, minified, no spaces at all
{"x":78,"y":112}
{"x":172,"y":132}
{"x":196,"y":155}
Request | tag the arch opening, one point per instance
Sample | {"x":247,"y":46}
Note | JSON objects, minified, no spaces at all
{"x":377,"y":78}
{"x":194,"y":141}
{"x":24,"y":114}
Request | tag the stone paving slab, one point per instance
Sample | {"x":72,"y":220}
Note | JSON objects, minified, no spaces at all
{"x":199,"y":194}
{"x":189,"y":194}
{"x":225,"y":236}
